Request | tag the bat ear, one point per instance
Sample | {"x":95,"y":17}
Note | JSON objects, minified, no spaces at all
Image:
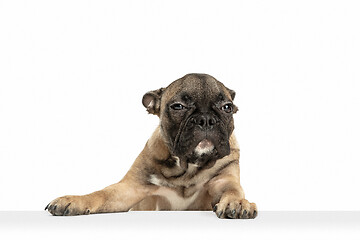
{"x":151,"y":101}
{"x":232,"y":93}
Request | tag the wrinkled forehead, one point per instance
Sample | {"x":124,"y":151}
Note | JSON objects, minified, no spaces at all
{"x":196,"y":88}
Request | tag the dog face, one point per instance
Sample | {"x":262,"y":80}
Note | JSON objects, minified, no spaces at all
{"x":196,"y":118}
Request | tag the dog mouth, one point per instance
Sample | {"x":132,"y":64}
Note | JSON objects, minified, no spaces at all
{"x":204,"y":154}
{"x":200,"y":147}
{"x":204,"y":147}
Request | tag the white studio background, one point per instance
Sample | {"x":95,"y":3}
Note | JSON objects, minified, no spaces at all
{"x":72,"y":75}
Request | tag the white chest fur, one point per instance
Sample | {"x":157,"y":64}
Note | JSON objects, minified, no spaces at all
{"x":177,"y":202}
{"x":167,"y":191}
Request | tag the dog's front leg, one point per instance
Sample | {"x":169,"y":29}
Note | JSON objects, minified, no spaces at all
{"x":228,"y":196}
{"x":119,"y":197}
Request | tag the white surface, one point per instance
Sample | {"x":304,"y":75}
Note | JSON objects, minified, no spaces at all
{"x":180,"y":225}
{"x":73,"y":72}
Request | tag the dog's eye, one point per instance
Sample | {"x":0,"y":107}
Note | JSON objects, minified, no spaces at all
{"x":177,"y":106}
{"x":228,"y":108}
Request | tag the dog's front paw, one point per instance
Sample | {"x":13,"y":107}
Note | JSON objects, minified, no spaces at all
{"x":68,"y":206}
{"x":232,"y":208}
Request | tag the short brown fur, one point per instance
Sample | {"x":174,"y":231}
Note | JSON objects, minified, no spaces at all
{"x":159,"y":180}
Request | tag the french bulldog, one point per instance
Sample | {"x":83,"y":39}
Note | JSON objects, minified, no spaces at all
{"x":191,"y":162}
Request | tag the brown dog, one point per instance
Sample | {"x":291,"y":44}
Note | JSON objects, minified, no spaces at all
{"x":191,"y":162}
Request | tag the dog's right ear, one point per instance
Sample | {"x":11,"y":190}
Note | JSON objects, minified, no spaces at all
{"x":151,"y":101}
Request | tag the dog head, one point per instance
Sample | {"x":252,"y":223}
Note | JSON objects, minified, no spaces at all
{"x":196,"y":118}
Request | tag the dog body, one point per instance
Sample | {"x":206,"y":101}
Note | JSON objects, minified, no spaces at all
{"x":191,"y":162}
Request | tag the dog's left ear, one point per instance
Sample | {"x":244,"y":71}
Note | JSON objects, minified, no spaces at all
{"x":232,"y":93}
{"x":151,"y":101}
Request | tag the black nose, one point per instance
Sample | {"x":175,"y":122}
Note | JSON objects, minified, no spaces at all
{"x":205,"y":121}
